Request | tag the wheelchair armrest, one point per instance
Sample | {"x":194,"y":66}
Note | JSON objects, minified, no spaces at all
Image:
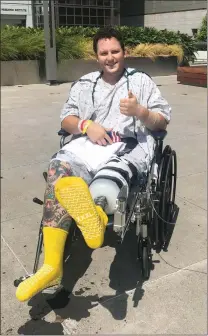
{"x":64,"y":133}
{"x":159,"y":135}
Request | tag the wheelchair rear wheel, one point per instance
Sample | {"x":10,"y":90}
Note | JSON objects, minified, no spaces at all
{"x":167,"y":188}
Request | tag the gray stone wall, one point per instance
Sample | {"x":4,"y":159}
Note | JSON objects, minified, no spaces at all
{"x":183,"y":15}
{"x":141,"y":7}
{"x":161,"y":6}
{"x":183,"y":21}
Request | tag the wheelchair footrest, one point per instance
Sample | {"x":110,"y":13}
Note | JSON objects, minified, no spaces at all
{"x":52,"y":290}
{"x":21,"y":279}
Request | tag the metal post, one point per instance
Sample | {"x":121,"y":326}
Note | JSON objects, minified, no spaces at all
{"x":50,"y":41}
{"x":112,"y":13}
{"x":119,"y":13}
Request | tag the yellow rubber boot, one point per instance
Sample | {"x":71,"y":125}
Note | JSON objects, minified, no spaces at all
{"x":50,"y":274}
{"x":74,"y":195}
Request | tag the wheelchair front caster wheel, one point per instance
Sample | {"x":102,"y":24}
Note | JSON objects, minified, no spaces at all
{"x":21,"y":279}
{"x":144,"y":256}
{"x":145,"y":260}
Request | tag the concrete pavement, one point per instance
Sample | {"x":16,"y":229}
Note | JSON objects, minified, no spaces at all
{"x":108,"y":295}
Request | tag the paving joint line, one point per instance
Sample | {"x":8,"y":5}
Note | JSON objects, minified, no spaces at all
{"x":186,"y":200}
{"x":14,"y":254}
{"x":153,"y":281}
{"x":11,"y":219}
{"x":25,"y":165}
{"x":192,"y":174}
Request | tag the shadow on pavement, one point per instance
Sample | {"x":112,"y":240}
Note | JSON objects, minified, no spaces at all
{"x":41,"y":328}
{"x":124,"y":275}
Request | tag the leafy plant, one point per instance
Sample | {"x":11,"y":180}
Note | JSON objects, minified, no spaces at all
{"x":30,"y":46}
{"x":8,"y":46}
{"x":154,"y":50}
{"x":69,"y":47}
{"x":76,"y":42}
{"x":21,"y":43}
{"x":202,"y":33}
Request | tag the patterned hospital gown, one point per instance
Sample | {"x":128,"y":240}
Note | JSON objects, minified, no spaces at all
{"x":92,"y":98}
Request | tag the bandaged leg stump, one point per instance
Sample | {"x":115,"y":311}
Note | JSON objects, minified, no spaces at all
{"x":50,"y":274}
{"x":74,"y":195}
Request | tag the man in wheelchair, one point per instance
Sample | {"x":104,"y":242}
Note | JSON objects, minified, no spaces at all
{"x":110,"y":114}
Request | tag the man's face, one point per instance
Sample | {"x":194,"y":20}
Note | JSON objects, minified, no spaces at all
{"x":110,"y":56}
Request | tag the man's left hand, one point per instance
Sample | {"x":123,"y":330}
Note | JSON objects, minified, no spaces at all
{"x":129,"y":106}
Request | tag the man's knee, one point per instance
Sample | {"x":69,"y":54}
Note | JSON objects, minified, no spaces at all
{"x":58,"y":168}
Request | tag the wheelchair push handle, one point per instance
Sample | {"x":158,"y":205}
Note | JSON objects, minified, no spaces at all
{"x":64,"y":133}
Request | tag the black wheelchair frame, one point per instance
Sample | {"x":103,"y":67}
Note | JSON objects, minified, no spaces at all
{"x":150,"y":207}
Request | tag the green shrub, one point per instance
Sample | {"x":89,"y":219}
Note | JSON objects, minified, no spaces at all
{"x":202,"y":33}
{"x":69,"y":47}
{"x":74,"y":42}
{"x":136,"y":35}
{"x":22,"y":43}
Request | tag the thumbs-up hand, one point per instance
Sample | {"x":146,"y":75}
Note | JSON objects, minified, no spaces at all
{"x":129,"y":106}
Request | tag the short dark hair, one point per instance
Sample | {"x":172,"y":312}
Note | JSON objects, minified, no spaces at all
{"x":107,"y":33}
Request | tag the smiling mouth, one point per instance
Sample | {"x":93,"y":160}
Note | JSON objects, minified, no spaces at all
{"x":111,"y":65}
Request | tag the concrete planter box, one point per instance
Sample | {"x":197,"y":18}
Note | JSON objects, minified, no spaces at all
{"x":71,"y":70}
{"x":33,"y":72}
{"x":21,"y":73}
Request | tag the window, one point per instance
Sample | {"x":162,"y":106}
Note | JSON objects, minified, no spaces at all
{"x":70,"y":11}
{"x":107,"y":3}
{"x":100,"y":21}
{"x":85,"y":2}
{"x":93,"y":3}
{"x":78,"y":12}
{"x":100,"y":2}
{"x":78,"y":20}
{"x":62,"y":20}
{"x":86,"y":21}
{"x":70,"y":20}
{"x":93,"y":12}
{"x":100,"y":12}
{"x":107,"y":12}
{"x":86,"y":11}
{"x":62,"y":10}
{"x":93,"y":21}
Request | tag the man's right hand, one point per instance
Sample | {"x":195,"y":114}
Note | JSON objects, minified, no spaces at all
{"x":97,"y":134}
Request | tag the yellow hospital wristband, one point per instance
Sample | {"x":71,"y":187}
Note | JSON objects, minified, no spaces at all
{"x":86,"y":125}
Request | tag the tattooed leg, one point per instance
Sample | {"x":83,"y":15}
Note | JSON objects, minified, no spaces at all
{"x":54,"y":215}
{"x":56,"y":224}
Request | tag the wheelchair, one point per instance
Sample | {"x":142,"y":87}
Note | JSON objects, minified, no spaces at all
{"x":149,"y":206}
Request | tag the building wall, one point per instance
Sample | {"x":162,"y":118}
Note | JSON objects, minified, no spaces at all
{"x":164,"y":6}
{"x":12,"y":12}
{"x":183,"y":15}
{"x":184,"y":21}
